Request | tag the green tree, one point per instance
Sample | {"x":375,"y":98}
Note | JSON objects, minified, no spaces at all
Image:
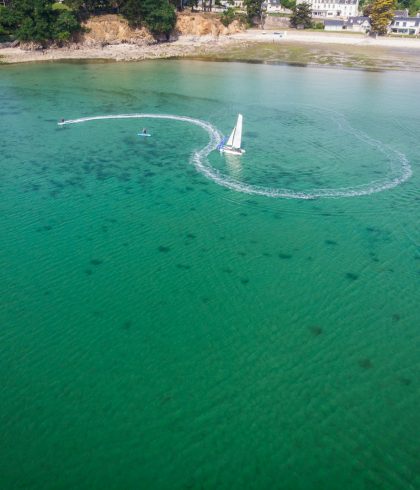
{"x":8,"y":21}
{"x":414,"y":7}
{"x":302,"y":16}
{"x":228,"y":16}
{"x":39,"y":21}
{"x":288,"y":4}
{"x":66,"y":25}
{"x":382,"y":12}
{"x":35,"y":20}
{"x":253,"y":9}
{"x":132,"y":10}
{"x":158,"y":15}
{"x":89,"y":6}
{"x":161,"y":20}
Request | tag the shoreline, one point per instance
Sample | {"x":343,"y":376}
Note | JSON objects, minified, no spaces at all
{"x":298,"y":48}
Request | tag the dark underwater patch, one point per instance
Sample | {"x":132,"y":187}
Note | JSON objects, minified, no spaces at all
{"x":330,"y":242}
{"x":163,"y":248}
{"x":351,"y":276}
{"x":127,"y":325}
{"x":183,"y":266}
{"x":96,"y":262}
{"x":365,"y":363}
{"x":284,"y":256}
{"x":315,"y":330}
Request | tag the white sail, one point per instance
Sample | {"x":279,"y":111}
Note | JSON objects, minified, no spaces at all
{"x":237,"y":137}
{"x":233,"y":144}
{"x":231,"y":137}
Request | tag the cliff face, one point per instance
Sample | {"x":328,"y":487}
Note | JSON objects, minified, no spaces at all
{"x":194,"y":24}
{"x":113,"y":29}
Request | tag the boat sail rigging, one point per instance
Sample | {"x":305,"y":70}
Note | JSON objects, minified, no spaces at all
{"x":233,"y":144}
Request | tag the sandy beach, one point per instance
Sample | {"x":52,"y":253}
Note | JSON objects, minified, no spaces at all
{"x":317,"y":48}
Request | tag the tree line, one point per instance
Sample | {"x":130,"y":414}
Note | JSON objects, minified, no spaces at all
{"x":43,"y":21}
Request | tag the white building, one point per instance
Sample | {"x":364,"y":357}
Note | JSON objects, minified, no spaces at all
{"x":405,"y":25}
{"x":353,"y":24}
{"x":273,"y":6}
{"x":333,"y":8}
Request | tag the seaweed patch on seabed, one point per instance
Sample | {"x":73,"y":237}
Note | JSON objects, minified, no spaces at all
{"x":351,"y":276}
{"x":96,"y":262}
{"x":284,"y":256}
{"x":183,"y":266}
{"x":127,"y":325}
{"x":365,"y":363}
{"x":315,"y":330}
{"x":163,"y":248}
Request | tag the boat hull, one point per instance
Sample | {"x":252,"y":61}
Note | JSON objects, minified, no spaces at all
{"x":232,"y":151}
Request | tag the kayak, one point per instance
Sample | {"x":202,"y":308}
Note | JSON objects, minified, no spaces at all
{"x":143,"y":134}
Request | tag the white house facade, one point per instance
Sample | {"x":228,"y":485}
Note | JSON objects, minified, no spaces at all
{"x":333,"y":8}
{"x":353,"y":24}
{"x":405,"y":25}
{"x":273,"y":6}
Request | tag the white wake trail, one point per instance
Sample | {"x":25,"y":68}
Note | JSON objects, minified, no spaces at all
{"x":200,"y":160}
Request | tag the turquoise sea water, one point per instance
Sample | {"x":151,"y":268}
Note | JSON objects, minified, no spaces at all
{"x":160,"y":330}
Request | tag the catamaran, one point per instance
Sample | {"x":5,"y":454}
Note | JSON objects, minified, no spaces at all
{"x":233,"y":145}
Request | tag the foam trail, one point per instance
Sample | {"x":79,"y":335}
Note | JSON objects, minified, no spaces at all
{"x":399,"y":161}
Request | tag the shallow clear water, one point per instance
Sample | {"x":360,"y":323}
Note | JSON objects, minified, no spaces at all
{"x":159,"y":330}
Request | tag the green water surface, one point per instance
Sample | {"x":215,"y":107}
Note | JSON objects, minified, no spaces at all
{"x":161,"y":331}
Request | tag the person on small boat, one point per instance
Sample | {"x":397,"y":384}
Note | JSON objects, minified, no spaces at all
{"x":144,"y":131}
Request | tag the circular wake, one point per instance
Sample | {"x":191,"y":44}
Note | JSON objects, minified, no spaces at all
{"x":399,"y":161}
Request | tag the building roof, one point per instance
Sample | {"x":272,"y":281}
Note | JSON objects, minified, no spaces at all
{"x":416,"y":20}
{"x":357,"y":20}
{"x":329,"y":22}
{"x":340,"y":2}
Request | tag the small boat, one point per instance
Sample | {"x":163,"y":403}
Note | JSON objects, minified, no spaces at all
{"x":233,"y":145}
{"x":143,"y":134}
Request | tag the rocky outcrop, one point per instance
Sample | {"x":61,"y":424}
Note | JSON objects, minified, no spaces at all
{"x":113,"y":29}
{"x":104,"y":30}
{"x":199,"y":24}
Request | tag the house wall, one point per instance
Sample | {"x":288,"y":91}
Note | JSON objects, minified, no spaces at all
{"x":405,"y":25}
{"x":333,"y":8}
{"x":333,"y":28}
